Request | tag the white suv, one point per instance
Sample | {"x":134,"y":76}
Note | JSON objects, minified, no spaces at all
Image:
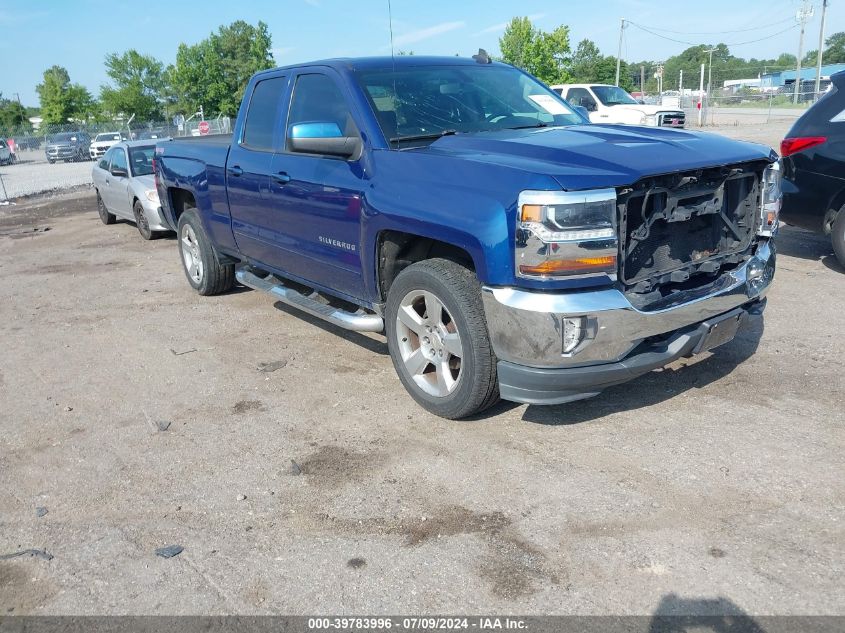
{"x":611,"y":104}
{"x":104,"y":141}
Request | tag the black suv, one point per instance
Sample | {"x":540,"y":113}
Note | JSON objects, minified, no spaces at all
{"x":813,"y":155}
{"x":68,"y":146}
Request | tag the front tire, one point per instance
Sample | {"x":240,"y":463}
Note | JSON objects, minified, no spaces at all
{"x":202,"y":267}
{"x":438,"y":340}
{"x":837,"y":236}
{"x":142,"y":223}
{"x":103,"y":212}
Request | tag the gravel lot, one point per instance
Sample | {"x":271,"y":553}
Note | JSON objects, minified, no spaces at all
{"x":139,"y":415}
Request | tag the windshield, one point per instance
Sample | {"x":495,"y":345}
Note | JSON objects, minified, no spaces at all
{"x":107,"y":137}
{"x":431,"y":101}
{"x":141,"y":160}
{"x":613,"y":95}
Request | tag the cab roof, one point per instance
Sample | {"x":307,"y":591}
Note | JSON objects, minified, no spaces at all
{"x":387,"y":63}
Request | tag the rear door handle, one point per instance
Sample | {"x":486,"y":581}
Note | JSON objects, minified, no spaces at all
{"x":235,"y":170}
{"x":282,"y":178}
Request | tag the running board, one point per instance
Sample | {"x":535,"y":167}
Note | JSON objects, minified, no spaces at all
{"x":359,"y":321}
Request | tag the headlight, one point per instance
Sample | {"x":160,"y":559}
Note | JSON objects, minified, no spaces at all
{"x":152,"y":195}
{"x":562,"y":233}
{"x":770,"y":200}
{"x":651,"y":119}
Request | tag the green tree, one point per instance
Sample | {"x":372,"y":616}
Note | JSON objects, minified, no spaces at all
{"x":53,"y":94}
{"x":590,"y":66}
{"x":138,"y":83}
{"x":214,"y":72}
{"x":834,"y":52}
{"x":544,"y":55}
{"x":13,"y":115}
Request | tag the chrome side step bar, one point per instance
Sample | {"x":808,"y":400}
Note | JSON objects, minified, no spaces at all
{"x":359,"y":321}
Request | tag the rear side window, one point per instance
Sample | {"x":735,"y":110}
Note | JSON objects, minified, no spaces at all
{"x":106,"y":159}
{"x":262,"y":114}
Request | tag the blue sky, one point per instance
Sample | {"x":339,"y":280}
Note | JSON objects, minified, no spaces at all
{"x":77,"y":34}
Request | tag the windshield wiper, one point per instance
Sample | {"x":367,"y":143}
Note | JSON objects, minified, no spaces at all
{"x":526,"y":127}
{"x":423,"y":137}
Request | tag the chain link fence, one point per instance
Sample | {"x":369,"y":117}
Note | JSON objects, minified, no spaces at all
{"x":29,"y":142}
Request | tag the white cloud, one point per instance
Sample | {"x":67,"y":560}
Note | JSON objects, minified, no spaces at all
{"x":423,"y":34}
{"x":496,"y":28}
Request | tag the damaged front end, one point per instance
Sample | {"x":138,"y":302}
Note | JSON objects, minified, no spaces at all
{"x":684,"y":230}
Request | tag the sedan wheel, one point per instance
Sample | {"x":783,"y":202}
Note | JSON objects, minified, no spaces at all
{"x":141,"y":221}
{"x":103,"y":212}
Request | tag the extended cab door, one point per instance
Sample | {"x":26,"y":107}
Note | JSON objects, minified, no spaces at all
{"x":249,"y":170}
{"x":317,"y":199}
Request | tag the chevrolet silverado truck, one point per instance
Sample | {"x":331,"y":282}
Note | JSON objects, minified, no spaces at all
{"x":504,"y":245}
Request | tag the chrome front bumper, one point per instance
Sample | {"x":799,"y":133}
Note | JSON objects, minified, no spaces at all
{"x":526,"y":327}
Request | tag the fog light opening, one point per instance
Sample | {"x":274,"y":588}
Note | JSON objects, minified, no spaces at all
{"x":574,"y":331}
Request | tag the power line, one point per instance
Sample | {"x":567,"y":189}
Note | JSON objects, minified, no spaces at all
{"x":671,"y":39}
{"x":753,"y":28}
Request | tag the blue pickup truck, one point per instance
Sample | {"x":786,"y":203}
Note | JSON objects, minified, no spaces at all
{"x":505,"y":246}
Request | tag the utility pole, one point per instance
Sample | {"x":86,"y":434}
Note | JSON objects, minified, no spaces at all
{"x":804,"y":14}
{"x":681,"y":83}
{"x":701,"y":95}
{"x":821,"y":47}
{"x":709,"y":75}
{"x":642,"y":80}
{"x":619,"y":50}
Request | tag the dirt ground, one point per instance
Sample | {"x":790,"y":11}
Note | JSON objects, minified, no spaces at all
{"x":285,"y":458}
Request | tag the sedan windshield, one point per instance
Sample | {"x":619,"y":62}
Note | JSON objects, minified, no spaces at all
{"x":428,"y":102}
{"x":141,"y":160}
{"x":613,"y":95}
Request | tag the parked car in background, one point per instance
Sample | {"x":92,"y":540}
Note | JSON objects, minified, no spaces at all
{"x":27,"y":142}
{"x":504,"y":246}
{"x":125,"y":187}
{"x":813,"y":155}
{"x":105,"y":141}
{"x":7,"y":157}
{"x":68,"y":146}
{"x":611,"y":104}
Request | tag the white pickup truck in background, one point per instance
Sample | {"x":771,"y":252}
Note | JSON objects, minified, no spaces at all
{"x":612,"y":104}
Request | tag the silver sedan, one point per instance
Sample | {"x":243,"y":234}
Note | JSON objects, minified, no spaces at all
{"x":123,"y":180}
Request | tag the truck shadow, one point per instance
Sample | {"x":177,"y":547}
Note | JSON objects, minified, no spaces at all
{"x":656,"y":386}
{"x":794,"y":242}
{"x":675,"y":614}
{"x":377,"y":346}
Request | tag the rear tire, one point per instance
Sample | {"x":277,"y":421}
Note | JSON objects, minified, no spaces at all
{"x":837,"y":236}
{"x":202,"y":267}
{"x":438,"y":341}
{"x":103,"y":212}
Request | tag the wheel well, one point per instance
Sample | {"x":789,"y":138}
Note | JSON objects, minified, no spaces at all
{"x":837,"y":203}
{"x":180,"y":200}
{"x":398,"y":250}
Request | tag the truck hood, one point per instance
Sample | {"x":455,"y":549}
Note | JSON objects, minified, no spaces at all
{"x":595,"y":156}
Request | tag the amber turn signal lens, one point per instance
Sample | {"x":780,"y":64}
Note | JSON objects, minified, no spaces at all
{"x":565,"y":266}
{"x":531,"y":213}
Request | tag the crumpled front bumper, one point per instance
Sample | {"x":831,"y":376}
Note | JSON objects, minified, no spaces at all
{"x":622,"y":342}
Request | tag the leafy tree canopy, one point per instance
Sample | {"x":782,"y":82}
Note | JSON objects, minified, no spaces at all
{"x":138,"y":82}
{"x":544,"y":55}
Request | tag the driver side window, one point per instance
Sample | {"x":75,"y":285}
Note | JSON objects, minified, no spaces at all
{"x":119,"y":159}
{"x":316,"y":98}
{"x":104,"y":161}
{"x":581,"y":97}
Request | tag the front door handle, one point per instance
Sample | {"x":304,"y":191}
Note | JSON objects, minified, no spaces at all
{"x":282,"y":178}
{"x":235,"y":170}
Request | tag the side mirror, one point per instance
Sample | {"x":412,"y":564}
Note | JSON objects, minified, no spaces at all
{"x":585,"y":114}
{"x":322,"y":138}
{"x":119,"y":172}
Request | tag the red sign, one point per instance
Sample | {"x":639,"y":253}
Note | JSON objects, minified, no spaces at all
{"x":204,"y":127}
